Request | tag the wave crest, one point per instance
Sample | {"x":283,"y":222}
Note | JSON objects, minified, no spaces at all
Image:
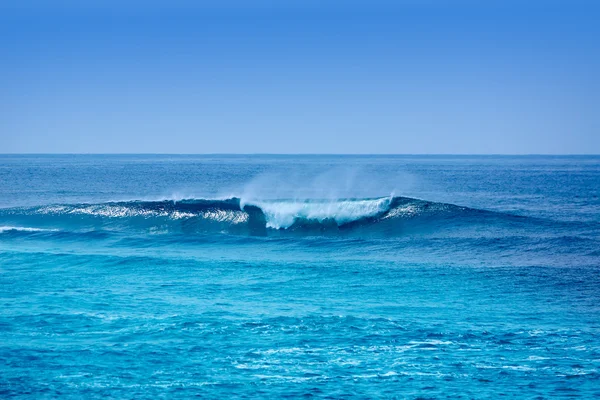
{"x":282,"y":214}
{"x":383,"y":216}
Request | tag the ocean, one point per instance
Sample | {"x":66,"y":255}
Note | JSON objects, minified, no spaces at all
{"x":271,"y":276}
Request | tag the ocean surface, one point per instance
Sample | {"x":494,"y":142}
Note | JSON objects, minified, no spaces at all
{"x":164,"y":276}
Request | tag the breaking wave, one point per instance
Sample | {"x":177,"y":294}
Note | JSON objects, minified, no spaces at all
{"x":383,"y":215}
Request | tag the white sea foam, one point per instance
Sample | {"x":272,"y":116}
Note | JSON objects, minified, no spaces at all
{"x":406,"y":211}
{"x":24,"y":229}
{"x":113,"y":211}
{"x":283,"y":213}
{"x":234,"y":217}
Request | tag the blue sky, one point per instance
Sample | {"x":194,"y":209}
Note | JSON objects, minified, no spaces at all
{"x":300,"y":77}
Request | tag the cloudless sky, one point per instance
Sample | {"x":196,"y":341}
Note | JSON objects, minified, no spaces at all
{"x":308,"y":76}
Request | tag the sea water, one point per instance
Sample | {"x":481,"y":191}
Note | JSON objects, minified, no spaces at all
{"x":149,"y":276}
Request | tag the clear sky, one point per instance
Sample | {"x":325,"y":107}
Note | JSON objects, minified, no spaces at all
{"x":308,"y":76}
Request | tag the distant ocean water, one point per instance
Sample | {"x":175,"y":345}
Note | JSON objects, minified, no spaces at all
{"x":149,"y":276}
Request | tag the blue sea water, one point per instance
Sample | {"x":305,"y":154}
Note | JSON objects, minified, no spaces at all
{"x":155,"y":276}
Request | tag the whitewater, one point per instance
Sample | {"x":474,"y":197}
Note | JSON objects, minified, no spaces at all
{"x":299,"y":276}
{"x":278,"y":215}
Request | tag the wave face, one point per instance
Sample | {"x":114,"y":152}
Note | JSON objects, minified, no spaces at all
{"x":385,"y":215}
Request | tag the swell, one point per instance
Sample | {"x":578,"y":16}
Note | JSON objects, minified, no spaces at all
{"x":374,"y":216}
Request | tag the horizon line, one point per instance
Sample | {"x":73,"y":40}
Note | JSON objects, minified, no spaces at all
{"x":300,"y":154}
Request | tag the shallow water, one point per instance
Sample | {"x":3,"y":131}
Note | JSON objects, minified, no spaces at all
{"x":288,"y":276}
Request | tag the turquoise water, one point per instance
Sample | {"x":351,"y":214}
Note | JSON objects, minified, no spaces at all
{"x":299,"y":276}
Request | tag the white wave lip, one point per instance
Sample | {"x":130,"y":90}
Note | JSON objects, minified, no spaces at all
{"x":282,"y":214}
{"x":24,"y":229}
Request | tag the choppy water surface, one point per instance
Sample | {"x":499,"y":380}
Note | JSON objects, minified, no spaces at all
{"x":288,"y":276}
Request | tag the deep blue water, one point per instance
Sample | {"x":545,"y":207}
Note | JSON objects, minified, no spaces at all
{"x":155,"y":276}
